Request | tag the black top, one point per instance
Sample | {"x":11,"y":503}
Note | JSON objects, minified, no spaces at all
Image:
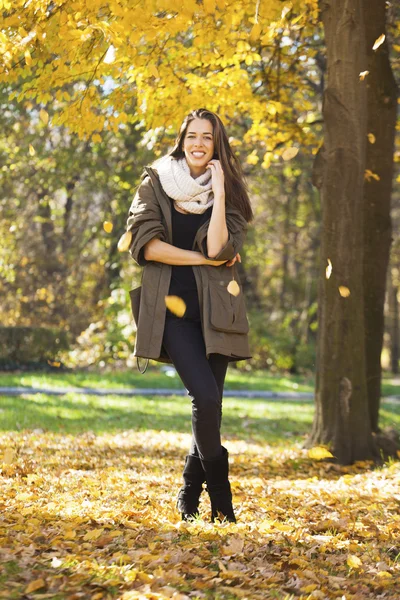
{"x":183,"y":282}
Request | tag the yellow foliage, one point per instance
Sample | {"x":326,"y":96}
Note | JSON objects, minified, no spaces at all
{"x":162,"y":58}
{"x":353,"y":561}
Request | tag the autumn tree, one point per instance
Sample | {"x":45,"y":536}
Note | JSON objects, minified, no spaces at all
{"x":356,"y":229}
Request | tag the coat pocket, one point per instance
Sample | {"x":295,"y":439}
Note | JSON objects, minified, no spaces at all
{"x":135,"y":303}
{"x":227,"y":312}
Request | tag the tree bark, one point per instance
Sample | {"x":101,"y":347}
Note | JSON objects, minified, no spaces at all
{"x":341,"y":416}
{"x":393,"y":324}
{"x":382,"y":113}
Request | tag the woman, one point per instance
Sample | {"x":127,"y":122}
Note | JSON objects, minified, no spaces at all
{"x":188,"y":222}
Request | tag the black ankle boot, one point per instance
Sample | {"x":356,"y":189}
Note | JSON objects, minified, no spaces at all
{"x":189,"y":494}
{"x":219,"y":488}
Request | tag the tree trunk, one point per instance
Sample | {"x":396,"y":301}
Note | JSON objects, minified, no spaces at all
{"x":382,"y":114}
{"x":393,"y":325}
{"x":342,"y":417}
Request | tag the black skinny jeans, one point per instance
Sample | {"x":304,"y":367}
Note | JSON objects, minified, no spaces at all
{"x":203,"y":379}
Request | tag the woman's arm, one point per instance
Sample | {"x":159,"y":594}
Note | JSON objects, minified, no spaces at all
{"x":160,"y":251}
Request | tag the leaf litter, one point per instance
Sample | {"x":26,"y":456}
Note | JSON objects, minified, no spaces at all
{"x":94,"y":517}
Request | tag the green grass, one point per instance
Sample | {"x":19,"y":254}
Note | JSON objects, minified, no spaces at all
{"x":262,"y":421}
{"x":235,"y":380}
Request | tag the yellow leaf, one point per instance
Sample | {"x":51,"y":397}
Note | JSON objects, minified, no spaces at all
{"x":328,"y":269}
{"x":371,"y":138}
{"x":233,"y":288}
{"x":28,"y":57}
{"x":283,"y":527}
{"x":70,"y":534}
{"x":252,"y":159}
{"x":319,"y":452}
{"x":209,"y":6}
{"x":379,"y":42}
{"x":93,"y":535}
{"x":8,"y":457}
{"x":44,"y":116}
{"x":344,"y":291}
{"x":255,"y":33}
{"x":363,"y":75}
{"x":309,"y":588}
{"x":176,"y":305}
{"x":108,"y":226}
{"x":35,"y":585}
{"x":370,"y":175}
{"x":154,"y":71}
{"x":32,"y":150}
{"x":289,"y":153}
{"x":353,"y":561}
{"x":125,"y":241}
{"x":234,"y":546}
{"x":96,"y":138}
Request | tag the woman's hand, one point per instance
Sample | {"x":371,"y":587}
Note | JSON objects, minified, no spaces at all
{"x":231,"y":262}
{"x":217,"y":178}
{"x":216,"y":263}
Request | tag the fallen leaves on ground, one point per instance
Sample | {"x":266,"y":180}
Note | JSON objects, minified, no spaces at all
{"x":94,"y":517}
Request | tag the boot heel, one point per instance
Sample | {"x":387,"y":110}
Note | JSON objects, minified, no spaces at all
{"x":219,"y":488}
{"x":189,"y":495}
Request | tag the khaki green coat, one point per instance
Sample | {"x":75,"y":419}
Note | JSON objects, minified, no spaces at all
{"x":223,"y":316}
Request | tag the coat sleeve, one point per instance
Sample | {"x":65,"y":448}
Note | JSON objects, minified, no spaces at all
{"x":144,"y":221}
{"x":237,"y":230}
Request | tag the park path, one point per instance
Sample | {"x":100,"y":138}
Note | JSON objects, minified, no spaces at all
{"x":268,"y":394}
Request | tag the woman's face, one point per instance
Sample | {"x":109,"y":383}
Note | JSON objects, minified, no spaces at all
{"x":198,"y":145}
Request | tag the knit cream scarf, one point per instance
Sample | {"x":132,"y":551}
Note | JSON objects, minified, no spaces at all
{"x":192,"y":195}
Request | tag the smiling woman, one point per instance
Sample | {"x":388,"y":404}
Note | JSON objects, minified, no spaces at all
{"x":188,"y":222}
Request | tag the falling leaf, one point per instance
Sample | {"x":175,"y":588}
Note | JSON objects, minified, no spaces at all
{"x":125,"y":241}
{"x":363,"y":75}
{"x":371,"y":138}
{"x":368,"y":175}
{"x":108,"y":226}
{"x":344,"y":291}
{"x":290,"y":153}
{"x":176,"y":305}
{"x":32,"y":150}
{"x":54,"y":363}
{"x":319,"y":452}
{"x":328,"y":269}
{"x":353,"y":561}
{"x":44,"y":116}
{"x":35,"y":585}
{"x":233,"y":288}
{"x":379,"y":41}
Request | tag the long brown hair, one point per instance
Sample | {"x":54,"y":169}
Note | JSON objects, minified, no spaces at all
{"x":236,"y":190}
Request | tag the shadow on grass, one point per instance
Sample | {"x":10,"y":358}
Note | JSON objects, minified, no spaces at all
{"x":78,"y":414}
